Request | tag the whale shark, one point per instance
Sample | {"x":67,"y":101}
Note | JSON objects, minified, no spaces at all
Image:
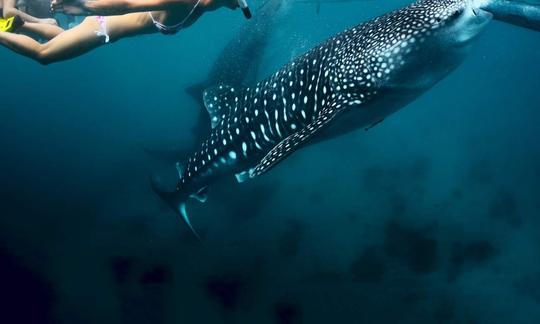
{"x":352,"y":81}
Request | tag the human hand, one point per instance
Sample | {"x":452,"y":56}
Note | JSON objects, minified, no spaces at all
{"x":48,"y":21}
{"x":233,"y":4}
{"x":215,"y":4}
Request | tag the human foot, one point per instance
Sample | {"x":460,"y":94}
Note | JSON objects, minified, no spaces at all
{"x":11,"y":24}
{"x":71,"y":7}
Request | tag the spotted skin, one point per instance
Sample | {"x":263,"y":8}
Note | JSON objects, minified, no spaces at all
{"x":351,"y":81}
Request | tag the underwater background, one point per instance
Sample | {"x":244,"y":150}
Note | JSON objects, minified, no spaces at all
{"x":430,"y":217}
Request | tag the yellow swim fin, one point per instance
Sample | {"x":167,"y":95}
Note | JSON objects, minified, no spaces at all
{"x":10,"y":24}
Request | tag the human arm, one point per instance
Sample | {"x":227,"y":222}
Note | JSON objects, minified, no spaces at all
{"x":10,"y":10}
{"x":120,"y":7}
{"x":519,"y":13}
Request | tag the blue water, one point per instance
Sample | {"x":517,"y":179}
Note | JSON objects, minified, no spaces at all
{"x":430,"y":217}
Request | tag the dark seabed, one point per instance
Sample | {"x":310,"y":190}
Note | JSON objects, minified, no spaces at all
{"x":430,"y":217}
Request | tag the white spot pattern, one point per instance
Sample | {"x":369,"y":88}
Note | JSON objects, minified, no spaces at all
{"x":280,"y":113}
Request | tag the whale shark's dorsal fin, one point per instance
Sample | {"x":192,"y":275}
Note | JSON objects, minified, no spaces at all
{"x":180,"y":170}
{"x":295,"y":141}
{"x":218,"y":101}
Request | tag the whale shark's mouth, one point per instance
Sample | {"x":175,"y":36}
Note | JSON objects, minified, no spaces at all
{"x":482,"y":13}
{"x":470,"y":24}
{"x":481,"y":17}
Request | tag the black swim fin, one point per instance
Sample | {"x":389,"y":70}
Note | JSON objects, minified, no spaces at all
{"x":11,"y":24}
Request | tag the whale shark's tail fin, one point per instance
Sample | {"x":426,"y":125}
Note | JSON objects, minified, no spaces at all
{"x":177,"y":200}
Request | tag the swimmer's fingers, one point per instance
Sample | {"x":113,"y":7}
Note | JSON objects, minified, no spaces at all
{"x":57,"y":6}
{"x":231,"y":4}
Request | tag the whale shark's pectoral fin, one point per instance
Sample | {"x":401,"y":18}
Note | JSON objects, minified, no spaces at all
{"x":296,"y":140}
{"x":218,"y":102}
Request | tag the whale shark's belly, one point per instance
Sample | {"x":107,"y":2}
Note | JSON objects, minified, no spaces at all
{"x":366,"y":116}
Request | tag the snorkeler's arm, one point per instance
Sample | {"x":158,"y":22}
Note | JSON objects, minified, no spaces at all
{"x":126,"y":6}
{"x":119,"y":7}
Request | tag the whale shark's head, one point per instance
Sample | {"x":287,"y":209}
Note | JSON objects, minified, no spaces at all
{"x":427,"y":40}
{"x":457,"y":22}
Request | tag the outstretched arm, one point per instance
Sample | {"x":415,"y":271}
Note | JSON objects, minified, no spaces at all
{"x":10,"y":10}
{"x":120,"y":7}
{"x":515,"y":12}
